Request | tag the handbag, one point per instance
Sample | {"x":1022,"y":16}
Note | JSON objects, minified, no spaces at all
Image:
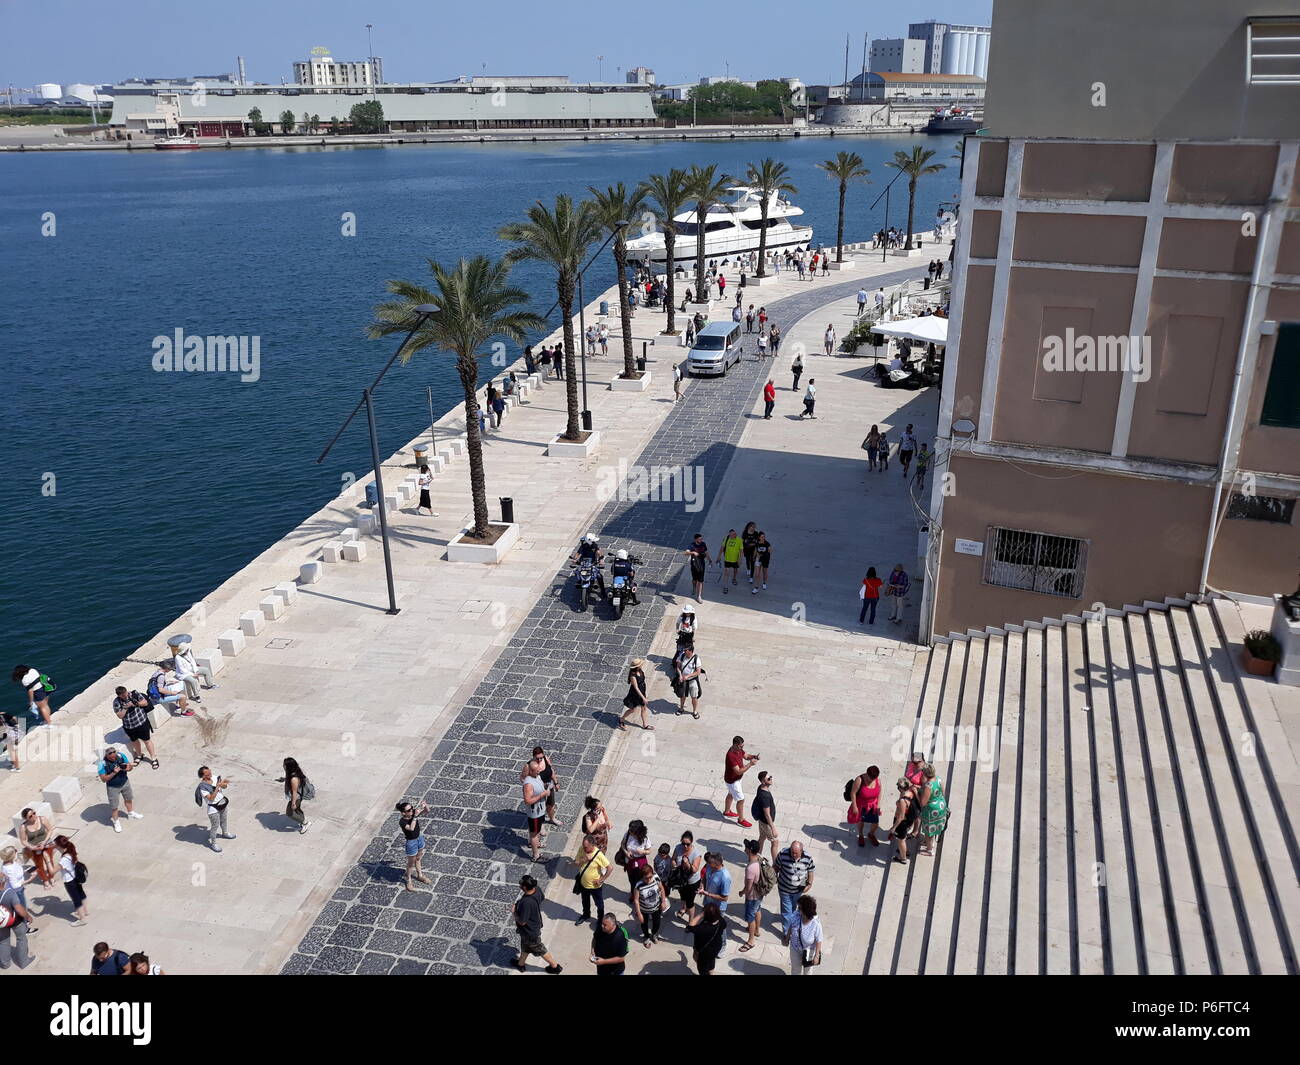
{"x":577,"y":880}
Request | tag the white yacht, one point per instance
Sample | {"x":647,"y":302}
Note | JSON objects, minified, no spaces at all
{"x":730,"y":227}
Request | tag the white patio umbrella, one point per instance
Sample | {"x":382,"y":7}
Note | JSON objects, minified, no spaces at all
{"x":930,"y":329}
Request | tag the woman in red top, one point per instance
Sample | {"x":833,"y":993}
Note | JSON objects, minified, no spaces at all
{"x":864,"y":805}
{"x":769,"y":399}
{"x":869,"y":593}
{"x":915,"y":771}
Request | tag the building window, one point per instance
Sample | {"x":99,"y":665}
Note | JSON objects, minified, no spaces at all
{"x":1036,"y":562}
{"x":1276,"y":509}
{"x":1282,"y":393}
{"x":1273,"y":51}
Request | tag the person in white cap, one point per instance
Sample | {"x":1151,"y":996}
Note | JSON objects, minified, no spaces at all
{"x":589,"y":547}
{"x":687,"y":626}
{"x":188,"y":670}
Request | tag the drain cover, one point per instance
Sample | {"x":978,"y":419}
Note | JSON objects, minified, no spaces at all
{"x":280,"y":643}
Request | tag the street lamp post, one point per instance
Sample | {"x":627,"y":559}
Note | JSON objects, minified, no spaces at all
{"x":422,"y":311}
{"x":884,"y":244}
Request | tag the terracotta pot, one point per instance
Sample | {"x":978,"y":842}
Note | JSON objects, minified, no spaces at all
{"x":1259,"y":667}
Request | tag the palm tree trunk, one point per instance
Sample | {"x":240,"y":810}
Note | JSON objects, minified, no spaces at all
{"x":564,"y":288}
{"x":625,"y":312}
{"x":762,"y":242}
{"x":839,"y":229}
{"x":468,"y":370}
{"x":701,"y":290}
{"x":911,"y":204}
{"x":670,"y":247}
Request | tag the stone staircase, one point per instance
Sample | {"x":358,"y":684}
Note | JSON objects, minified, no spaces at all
{"x":1120,"y":800}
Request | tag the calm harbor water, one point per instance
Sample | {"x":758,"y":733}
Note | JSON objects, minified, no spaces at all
{"x":130,"y":494}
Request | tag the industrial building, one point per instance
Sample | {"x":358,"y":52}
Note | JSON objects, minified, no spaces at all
{"x":902,"y":55}
{"x":323,"y":70}
{"x":951,"y":49}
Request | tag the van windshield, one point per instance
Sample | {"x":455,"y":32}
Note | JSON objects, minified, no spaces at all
{"x":711,"y":343}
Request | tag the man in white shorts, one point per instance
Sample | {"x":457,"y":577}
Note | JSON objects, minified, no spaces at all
{"x":738,"y":763}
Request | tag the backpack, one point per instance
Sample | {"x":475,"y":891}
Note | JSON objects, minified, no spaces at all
{"x":848,"y":790}
{"x":766,"y":878}
{"x":80,"y":874}
{"x":152,"y":690}
{"x":308,"y":790}
{"x":8,"y":917}
{"x":198,"y":796}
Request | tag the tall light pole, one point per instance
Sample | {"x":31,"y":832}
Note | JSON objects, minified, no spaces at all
{"x":421,"y":312}
{"x":600,"y":68}
{"x":370,"y":57}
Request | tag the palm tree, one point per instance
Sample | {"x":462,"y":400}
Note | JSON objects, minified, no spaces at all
{"x":475,"y":304}
{"x":705,"y":187}
{"x":845,"y":167}
{"x":668,"y":195}
{"x":559,"y":238}
{"x":614,"y":209}
{"x":771,"y":179}
{"x":914,"y":166}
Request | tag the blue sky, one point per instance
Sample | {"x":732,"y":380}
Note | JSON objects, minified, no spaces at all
{"x":98,"y":41}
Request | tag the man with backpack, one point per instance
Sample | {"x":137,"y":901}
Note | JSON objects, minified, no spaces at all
{"x":167,"y":689}
{"x":113,"y":769}
{"x":132,"y":710}
{"x":760,"y":879}
{"x":211,"y":795}
{"x":763,"y":810}
{"x":14,"y":919}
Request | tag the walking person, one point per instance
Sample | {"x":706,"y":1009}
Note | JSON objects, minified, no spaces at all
{"x":880,"y":301}
{"x":635,"y":700}
{"x":906,"y":818}
{"x":794,"y":878}
{"x":16,"y":877}
{"x":749,"y":319}
{"x":649,"y":900}
{"x":603,"y":335}
{"x":749,"y":542}
{"x":750,"y":893}
{"x":869,"y":593}
{"x":906,"y":448}
{"x":211,"y":795}
{"x":763,"y":810}
{"x":14,"y":921}
{"x":806,"y":941}
{"x":923,"y":457}
{"x":11,"y":735}
{"x":297,"y":788}
{"x":862,"y":302}
{"x":425,"y":483}
{"x":716,"y":887}
{"x":688,"y":870}
{"x":898,"y":586}
{"x":762,"y":345}
{"x":774,"y":339}
{"x":934,"y":810}
{"x":871,"y":445}
{"x":38,"y":687}
{"x":882,"y":454}
{"x":863,"y":793}
{"x":113,"y":770}
{"x":557,"y":357}
{"x":36,"y":837}
{"x":769,"y":399}
{"x":132,"y":709}
{"x":734,"y":767}
{"x":609,"y":947}
{"x":732,"y":546}
{"x":535,"y":794}
{"x":593,"y":870}
{"x":809,"y":400}
{"x":828,"y":339}
{"x":687,"y":674}
{"x":527,"y":912}
{"x":74,"y":878}
{"x":762,"y":319}
{"x":709,"y":933}
{"x":677,"y":383}
{"x":546,"y":771}
{"x":700,"y":559}
{"x":408,"y":821}
{"x":106,"y":961}
{"x":762,"y":561}
{"x":634,"y":852}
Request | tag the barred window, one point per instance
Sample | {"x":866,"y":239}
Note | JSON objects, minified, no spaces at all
{"x":1273,"y":51}
{"x":1261,"y":508}
{"x":1036,"y":562}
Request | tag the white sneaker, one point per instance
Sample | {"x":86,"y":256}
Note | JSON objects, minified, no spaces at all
{"x":117,"y":826}
{"x":765,"y":584}
{"x":303,"y":827}
{"x":134,"y":816}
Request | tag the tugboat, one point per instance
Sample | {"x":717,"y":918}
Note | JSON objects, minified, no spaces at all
{"x":951,"y":120}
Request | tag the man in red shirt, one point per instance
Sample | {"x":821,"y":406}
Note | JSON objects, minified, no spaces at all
{"x":738,"y":763}
{"x":769,"y":399}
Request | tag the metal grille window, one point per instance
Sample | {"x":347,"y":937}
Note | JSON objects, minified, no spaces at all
{"x":1261,"y":508}
{"x":1273,"y":51}
{"x":1036,"y":562}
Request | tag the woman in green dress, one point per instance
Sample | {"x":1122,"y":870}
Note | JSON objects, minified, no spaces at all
{"x":934,"y":810}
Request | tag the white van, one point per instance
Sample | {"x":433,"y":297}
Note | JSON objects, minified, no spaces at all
{"x":716,"y":348}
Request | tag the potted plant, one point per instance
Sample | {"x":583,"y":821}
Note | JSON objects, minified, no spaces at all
{"x":1260,"y":653}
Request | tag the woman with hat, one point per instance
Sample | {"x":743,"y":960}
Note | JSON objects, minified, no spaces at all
{"x":635,"y":699}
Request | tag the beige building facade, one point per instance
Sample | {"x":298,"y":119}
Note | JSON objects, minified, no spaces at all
{"x":1120,"y":416}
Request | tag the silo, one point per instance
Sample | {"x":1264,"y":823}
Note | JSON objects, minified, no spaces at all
{"x":948,"y":57}
{"x":981,"y":56}
{"x":967,"y":64}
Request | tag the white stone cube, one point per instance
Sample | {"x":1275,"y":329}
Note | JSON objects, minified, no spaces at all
{"x":211,"y":660}
{"x":368,"y":524}
{"x":42,"y":809}
{"x":272,"y":607}
{"x":344,"y":535}
{"x":392,"y":502}
{"x":251,"y":622}
{"x":332,"y":551}
{"x":355,"y":551}
{"x":157,"y":715}
{"x":231,"y":642}
{"x":287,"y":590}
{"x":311,"y":572}
{"x":62,"y":793}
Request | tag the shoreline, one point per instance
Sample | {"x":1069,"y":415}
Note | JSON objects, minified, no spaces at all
{"x":516,"y":136}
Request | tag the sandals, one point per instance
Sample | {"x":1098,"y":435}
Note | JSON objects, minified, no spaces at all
{"x":745,"y":947}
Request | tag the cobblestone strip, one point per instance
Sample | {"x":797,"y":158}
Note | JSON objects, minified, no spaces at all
{"x":559,"y":682}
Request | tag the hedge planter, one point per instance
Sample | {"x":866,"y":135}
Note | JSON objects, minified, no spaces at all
{"x":461,"y":551}
{"x":637,"y":384}
{"x":574,"y":449}
{"x":1260,"y":652}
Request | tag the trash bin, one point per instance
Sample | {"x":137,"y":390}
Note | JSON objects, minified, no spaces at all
{"x":927,"y":284}
{"x":507,"y":509}
{"x":604,"y":308}
{"x":586,"y":420}
{"x":640,"y":363}
{"x":421,"y":454}
{"x":372,"y":495}
{"x":180,"y":643}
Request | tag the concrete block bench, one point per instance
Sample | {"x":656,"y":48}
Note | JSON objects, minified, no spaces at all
{"x":272,"y":607}
{"x":231,"y":641}
{"x":368,"y":524}
{"x":287,"y":590}
{"x":157,"y":714}
{"x":446,"y":454}
{"x":62,"y":793}
{"x":405,"y":493}
{"x":42,"y":809}
{"x":311,"y":572}
{"x":251,"y":622}
{"x":332,"y":551}
{"x":210,"y":660}
{"x":392,"y":502}
{"x":355,"y":551}
{"x":344,"y":535}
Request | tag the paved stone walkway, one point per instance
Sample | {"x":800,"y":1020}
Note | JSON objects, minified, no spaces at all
{"x":559,"y":682}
